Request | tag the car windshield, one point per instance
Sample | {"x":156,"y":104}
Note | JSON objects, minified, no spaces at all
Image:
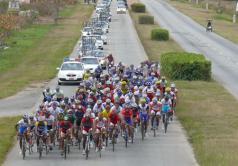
{"x":121,"y":6}
{"x":72,"y":66}
{"x":99,"y":54}
{"x":89,"y":61}
{"x":87,"y":29}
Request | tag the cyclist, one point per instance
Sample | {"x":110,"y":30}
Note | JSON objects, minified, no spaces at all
{"x":59,"y":95}
{"x":155,"y":107}
{"x":100,"y":125}
{"x":86,"y":75}
{"x":65,"y":127}
{"x":106,"y":111}
{"x":127,"y":116}
{"x":166,"y":106}
{"x":98,"y":107}
{"x":144,"y":113}
{"x":113,"y":119}
{"x":41,"y":130}
{"x":22,"y":127}
{"x":87,"y":125}
{"x":163,"y":84}
{"x":47,"y":94}
{"x":50,"y":120}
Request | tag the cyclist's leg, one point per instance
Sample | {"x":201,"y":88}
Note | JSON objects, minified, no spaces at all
{"x":84,"y":138}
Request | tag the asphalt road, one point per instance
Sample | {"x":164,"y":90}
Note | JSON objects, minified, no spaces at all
{"x":194,"y":38}
{"x":165,"y":150}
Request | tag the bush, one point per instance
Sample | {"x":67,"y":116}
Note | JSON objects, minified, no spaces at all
{"x":138,"y":7}
{"x":185,"y":66}
{"x":160,"y":34}
{"x":146,"y":19}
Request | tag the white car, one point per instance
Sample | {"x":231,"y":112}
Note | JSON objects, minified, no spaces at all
{"x":121,"y":8}
{"x":90,"y":63}
{"x":100,"y":32}
{"x":70,"y":71}
{"x":86,"y":31}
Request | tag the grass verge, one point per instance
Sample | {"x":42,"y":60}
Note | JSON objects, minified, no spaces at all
{"x":7,"y":134}
{"x":36,"y":51}
{"x":222,"y":22}
{"x":206,"y":110}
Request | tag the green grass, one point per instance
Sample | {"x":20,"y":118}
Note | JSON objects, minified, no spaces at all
{"x":206,"y":110}
{"x":7,"y":134}
{"x":68,"y":11}
{"x":153,"y":48}
{"x":35,"y":52}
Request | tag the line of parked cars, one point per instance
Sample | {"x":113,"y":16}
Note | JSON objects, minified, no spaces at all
{"x":91,"y":46}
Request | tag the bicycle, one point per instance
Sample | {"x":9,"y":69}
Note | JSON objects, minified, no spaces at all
{"x":154,"y":124}
{"x":30,"y":143}
{"x":87,"y":145}
{"x":22,"y":139}
{"x":66,"y":146}
{"x":165,"y":121}
{"x":126,"y":134}
{"x":40,"y":146}
{"x":143,"y":128}
{"x":114,"y":137}
{"x":100,"y":142}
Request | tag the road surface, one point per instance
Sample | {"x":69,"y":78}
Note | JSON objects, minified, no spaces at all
{"x":164,"y":150}
{"x":194,"y":38}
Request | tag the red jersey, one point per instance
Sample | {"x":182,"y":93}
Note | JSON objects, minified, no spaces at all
{"x":65,"y":125}
{"x":113,"y":118}
{"x":127,"y":114}
{"x":87,"y":124}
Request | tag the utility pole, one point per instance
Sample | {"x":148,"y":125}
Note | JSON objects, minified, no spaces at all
{"x":236,"y":10}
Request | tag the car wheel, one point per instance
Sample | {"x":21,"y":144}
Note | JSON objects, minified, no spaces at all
{"x":59,"y":83}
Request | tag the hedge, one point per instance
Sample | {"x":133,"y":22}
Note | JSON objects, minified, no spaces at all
{"x":138,"y":7}
{"x":160,"y":34}
{"x":146,"y":19}
{"x":185,"y":66}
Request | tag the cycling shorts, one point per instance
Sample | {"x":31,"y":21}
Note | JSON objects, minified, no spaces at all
{"x":144,"y":117}
{"x":128,"y":121}
{"x":22,"y":130}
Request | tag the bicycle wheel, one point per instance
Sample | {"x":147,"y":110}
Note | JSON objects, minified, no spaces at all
{"x":132,"y":135}
{"x":87,"y":148}
{"x":154,"y":126}
{"x":166,"y":124}
{"x":65,"y":148}
{"x":40,"y":148}
{"x":126,"y":138}
{"x":23,"y":148}
{"x":113,"y":141}
{"x":142,"y":131}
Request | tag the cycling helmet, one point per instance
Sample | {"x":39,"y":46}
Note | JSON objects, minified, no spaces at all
{"x":172,"y":85}
{"x":142,"y":101}
{"x":158,"y":93}
{"x":41,"y":118}
{"x":25,"y":116}
{"x":99,"y":102}
{"x":108,"y":101}
{"x":123,"y":83}
{"x":108,"y":82}
{"x":70,"y":111}
{"x":155,"y":100}
{"x":127,"y":101}
{"x":167,"y":89}
{"x":66,"y":118}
